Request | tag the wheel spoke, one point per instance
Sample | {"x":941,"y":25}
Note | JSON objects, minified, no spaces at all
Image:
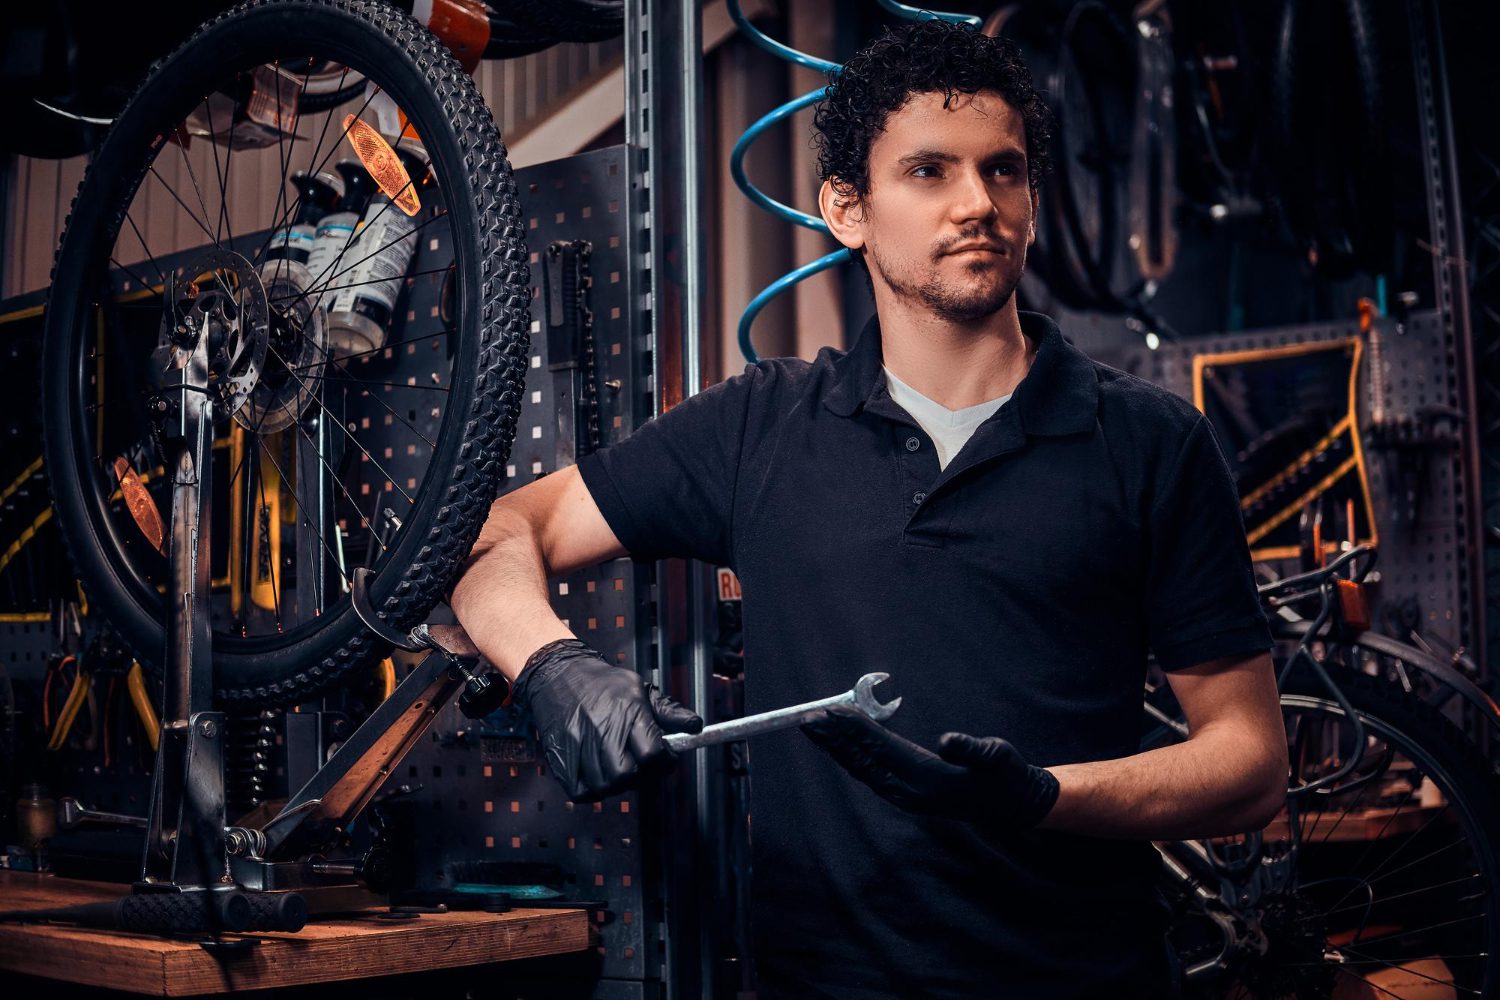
{"x":1351,"y":973}
{"x":149,"y":256}
{"x":323,"y":289}
{"x":1371,"y":876}
{"x":1414,"y":972}
{"x":378,"y":467}
{"x":344,"y":360}
{"x":1422,"y":930}
{"x":303,"y":513}
{"x":329,"y":359}
{"x":192,"y":176}
{"x":286,"y":217}
{"x":1403,"y":895}
{"x":358,"y":232}
{"x":175,"y":197}
{"x":354,"y":284}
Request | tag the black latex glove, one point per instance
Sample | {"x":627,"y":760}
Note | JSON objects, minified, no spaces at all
{"x":599,"y":726}
{"x":982,"y":780}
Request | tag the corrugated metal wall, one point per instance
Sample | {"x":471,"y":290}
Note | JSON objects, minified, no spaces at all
{"x":519,"y":91}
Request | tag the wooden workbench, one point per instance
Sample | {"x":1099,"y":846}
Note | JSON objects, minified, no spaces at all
{"x":353,"y":947}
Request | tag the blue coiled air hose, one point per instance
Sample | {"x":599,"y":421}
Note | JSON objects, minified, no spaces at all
{"x":765,"y":201}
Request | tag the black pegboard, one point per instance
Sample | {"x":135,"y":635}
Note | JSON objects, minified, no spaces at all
{"x":476,"y":789}
{"x":1422,"y":560}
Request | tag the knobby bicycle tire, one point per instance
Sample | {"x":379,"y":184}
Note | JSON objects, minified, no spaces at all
{"x":489,"y":345}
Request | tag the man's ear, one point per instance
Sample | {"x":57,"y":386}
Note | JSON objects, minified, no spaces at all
{"x":1036,"y":206}
{"x":844,"y":214}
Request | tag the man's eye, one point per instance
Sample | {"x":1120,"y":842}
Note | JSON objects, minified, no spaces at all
{"x":918,"y":171}
{"x":1005,"y":169}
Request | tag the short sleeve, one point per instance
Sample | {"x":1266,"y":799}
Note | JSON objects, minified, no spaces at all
{"x":1201,"y":602}
{"x":667,"y":490}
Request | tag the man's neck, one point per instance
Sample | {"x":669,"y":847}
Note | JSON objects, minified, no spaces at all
{"x":955,"y":364}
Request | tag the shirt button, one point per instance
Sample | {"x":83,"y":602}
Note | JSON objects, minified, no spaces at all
{"x":913,"y":443}
{"x":918,"y":497}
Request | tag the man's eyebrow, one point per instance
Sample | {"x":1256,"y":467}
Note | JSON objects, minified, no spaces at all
{"x":943,"y":156}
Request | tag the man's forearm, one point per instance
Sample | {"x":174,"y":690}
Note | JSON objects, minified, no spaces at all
{"x":1210,"y":785}
{"x":501,"y":599}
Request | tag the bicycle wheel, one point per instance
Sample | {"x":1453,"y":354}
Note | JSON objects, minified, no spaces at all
{"x":353,"y":427}
{"x":1386,"y":876}
{"x":1423,"y":675}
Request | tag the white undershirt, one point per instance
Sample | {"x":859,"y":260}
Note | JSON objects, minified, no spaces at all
{"x":949,"y":429}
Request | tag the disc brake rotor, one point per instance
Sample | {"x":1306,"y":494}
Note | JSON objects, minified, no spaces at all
{"x":225,"y":301}
{"x":298,"y":347}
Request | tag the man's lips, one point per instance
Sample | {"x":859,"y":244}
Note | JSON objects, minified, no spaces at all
{"x":969,"y":247}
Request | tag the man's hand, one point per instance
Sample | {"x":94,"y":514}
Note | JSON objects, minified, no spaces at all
{"x":599,"y":726}
{"x":984,"y":781}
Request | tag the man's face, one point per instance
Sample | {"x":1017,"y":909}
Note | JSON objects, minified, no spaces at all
{"x":949,"y":213}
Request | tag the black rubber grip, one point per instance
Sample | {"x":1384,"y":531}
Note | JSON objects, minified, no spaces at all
{"x":276,"y":911}
{"x":203,"y":911}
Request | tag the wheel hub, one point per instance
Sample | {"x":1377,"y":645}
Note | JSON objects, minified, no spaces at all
{"x":297,"y":341}
{"x":225,"y":303}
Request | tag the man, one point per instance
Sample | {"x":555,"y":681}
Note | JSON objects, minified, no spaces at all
{"x":965,"y":500}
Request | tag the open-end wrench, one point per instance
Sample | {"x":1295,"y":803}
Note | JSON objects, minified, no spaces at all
{"x":861,"y":697}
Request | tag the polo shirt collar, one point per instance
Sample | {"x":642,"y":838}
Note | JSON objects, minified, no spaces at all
{"x":1059,"y":395}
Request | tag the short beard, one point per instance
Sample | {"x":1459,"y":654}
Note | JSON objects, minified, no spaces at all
{"x":949,"y":304}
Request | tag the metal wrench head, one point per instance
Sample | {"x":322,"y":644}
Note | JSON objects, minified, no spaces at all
{"x":866,"y":702}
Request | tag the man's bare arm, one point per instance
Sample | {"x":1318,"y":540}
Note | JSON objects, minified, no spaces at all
{"x":547,"y":528}
{"x":1228,"y":777}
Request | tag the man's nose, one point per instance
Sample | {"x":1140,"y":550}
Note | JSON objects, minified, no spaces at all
{"x":971,"y":198}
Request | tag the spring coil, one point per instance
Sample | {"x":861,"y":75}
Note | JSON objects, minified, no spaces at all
{"x":780,"y":114}
{"x":247,"y":759}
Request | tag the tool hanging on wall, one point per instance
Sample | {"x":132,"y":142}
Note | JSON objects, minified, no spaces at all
{"x":570,"y":347}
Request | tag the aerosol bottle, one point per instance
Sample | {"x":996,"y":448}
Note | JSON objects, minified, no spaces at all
{"x":318,"y":194}
{"x":362,"y":297}
{"x":335,"y":232}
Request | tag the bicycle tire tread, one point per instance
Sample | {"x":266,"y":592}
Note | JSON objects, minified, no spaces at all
{"x":489,"y":428}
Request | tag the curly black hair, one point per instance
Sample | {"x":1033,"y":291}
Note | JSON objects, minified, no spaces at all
{"x":920,"y":57}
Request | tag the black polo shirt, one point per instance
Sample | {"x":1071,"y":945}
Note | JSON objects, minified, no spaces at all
{"x":1017,"y":592}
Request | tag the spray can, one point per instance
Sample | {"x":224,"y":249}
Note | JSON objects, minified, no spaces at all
{"x":318,"y":194}
{"x":335,"y":230}
{"x":370,"y":276}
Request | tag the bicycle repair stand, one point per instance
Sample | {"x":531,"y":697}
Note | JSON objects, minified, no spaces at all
{"x":211,"y":352}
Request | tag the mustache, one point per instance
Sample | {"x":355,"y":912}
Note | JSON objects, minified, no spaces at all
{"x":989,"y":239}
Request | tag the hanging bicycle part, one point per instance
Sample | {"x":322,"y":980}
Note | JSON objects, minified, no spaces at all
{"x":1332,"y":167}
{"x":1152,"y":214}
{"x":354,"y":422}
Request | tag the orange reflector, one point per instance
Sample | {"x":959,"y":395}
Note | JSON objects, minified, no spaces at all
{"x":383,"y":164}
{"x":142,"y":508}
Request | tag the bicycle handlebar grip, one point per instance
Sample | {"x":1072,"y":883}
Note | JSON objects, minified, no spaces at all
{"x":276,"y":911}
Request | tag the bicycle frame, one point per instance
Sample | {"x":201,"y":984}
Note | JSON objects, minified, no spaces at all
{"x":1228,"y":891}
